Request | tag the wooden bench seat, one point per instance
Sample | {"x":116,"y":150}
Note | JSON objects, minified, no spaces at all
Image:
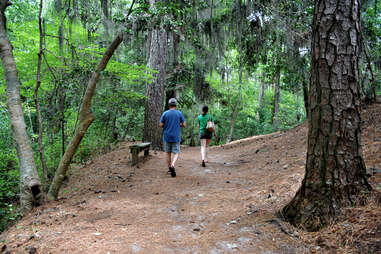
{"x":136,"y":149}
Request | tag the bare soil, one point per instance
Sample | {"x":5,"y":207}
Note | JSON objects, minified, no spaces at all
{"x":229,"y":206}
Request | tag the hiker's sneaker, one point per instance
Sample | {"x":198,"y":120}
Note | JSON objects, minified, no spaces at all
{"x":203,"y":164}
{"x":172,"y":171}
{"x":169,"y":170}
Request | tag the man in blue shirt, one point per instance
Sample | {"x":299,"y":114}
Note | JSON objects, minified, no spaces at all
{"x":172,"y":120}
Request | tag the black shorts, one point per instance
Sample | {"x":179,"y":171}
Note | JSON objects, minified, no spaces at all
{"x":206,"y":135}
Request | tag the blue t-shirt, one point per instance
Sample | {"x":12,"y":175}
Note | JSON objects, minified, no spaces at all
{"x":172,"y":119}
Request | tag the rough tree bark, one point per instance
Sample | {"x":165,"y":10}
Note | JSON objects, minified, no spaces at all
{"x":155,"y":91}
{"x":372,"y":80}
{"x":86,"y":117}
{"x":201,"y":89}
{"x":170,"y":91}
{"x":30,"y":185}
{"x":335,"y":170}
{"x":36,"y":102}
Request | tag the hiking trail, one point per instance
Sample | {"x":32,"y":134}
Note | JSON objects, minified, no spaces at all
{"x":229,"y":206}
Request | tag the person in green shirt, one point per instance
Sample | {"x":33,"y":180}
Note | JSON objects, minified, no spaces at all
{"x":205,"y":135}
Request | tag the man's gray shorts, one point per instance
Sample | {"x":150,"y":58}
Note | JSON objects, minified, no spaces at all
{"x":172,"y":147}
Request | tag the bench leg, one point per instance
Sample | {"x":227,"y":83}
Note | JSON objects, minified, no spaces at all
{"x":135,"y":157}
{"x":146,"y":152}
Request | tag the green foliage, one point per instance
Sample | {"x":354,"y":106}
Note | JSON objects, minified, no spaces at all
{"x":9,"y":175}
{"x":117,"y":106}
{"x":371,"y":32}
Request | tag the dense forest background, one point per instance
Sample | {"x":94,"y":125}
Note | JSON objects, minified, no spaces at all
{"x":248,"y":60}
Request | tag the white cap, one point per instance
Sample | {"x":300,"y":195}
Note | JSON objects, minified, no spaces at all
{"x":172,"y":102}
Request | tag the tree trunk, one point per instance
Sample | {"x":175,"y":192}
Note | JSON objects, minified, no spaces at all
{"x":233,"y":118}
{"x":36,"y":102}
{"x":61,"y":110}
{"x":372,"y":80}
{"x":130,"y":125}
{"x":276,"y":101}
{"x":85,"y":119}
{"x":105,"y":10}
{"x":335,"y":170}
{"x":192,"y":141}
{"x":155,"y":91}
{"x":298,"y":114}
{"x":235,"y":109}
{"x":170,"y":91}
{"x":261,"y":98}
{"x":59,"y":8}
{"x":200,"y":87}
{"x":305,"y":96}
{"x":30,"y":185}
{"x":114,"y":129}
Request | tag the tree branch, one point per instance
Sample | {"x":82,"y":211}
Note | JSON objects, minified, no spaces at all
{"x":86,"y":117}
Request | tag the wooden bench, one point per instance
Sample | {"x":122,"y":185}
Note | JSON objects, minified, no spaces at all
{"x":372,"y":171}
{"x":136,"y":149}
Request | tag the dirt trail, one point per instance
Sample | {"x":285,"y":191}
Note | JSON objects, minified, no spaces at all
{"x":227,"y":207}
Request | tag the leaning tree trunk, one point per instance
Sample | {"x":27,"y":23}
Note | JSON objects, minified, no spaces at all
{"x":86,"y":117}
{"x":155,"y":91}
{"x":335,"y":170}
{"x":30,"y":185}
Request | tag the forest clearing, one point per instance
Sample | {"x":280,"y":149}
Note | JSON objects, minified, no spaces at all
{"x":230,"y":206}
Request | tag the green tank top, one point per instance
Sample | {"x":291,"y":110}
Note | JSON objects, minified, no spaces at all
{"x":203,"y":121}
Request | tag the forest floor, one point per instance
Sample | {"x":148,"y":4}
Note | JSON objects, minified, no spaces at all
{"x":107,"y":206}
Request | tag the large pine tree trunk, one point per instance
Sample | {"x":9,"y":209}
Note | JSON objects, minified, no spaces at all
{"x":335,"y":170}
{"x":170,"y":91}
{"x":155,"y":91}
{"x":30,"y":185}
